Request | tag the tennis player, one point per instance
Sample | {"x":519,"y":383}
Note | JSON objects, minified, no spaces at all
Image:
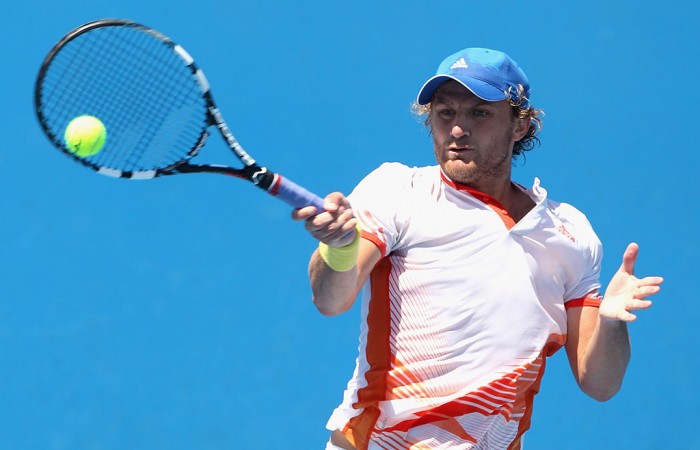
{"x":469,"y":280}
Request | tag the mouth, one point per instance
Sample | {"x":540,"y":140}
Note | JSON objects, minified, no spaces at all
{"x":459,"y":148}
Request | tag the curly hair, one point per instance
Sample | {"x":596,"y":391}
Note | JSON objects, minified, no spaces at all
{"x":517,"y":99}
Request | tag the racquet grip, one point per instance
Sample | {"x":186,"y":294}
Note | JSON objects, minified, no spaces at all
{"x":294,"y":195}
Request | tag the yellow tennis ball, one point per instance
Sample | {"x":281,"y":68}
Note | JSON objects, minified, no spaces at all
{"x":85,"y":135}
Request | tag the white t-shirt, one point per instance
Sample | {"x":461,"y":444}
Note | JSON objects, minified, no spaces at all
{"x":461,"y":311}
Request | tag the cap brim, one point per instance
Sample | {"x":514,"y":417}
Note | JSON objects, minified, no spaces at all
{"x":481,"y":89}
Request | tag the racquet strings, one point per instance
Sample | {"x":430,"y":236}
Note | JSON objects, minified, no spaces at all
{"x":145,"y":94}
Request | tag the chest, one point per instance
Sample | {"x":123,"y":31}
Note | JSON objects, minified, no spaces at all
{"x":467,"y":248}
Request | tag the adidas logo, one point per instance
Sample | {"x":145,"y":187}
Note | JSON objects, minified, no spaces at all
{"x":459,"y":64}
{"x":562,"y":229}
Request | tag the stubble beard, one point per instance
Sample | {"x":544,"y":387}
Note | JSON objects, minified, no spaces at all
{"x":474,"y":171}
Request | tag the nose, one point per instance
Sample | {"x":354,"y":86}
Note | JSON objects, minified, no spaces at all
{"x":459,"y":131}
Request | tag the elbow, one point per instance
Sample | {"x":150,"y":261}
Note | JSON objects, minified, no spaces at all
{"x":331,"y":308}
{"x":601,"y":392}
{"x":602,"y":396}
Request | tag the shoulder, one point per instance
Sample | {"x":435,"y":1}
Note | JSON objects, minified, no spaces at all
{"x":400,"y":170}
{"x":573,"y":223}
{"x":568,"y":212}
{"x":387,"y":199}
{"x":568,"y":220}
{"x":393,"y":176}
{"x":559,"y":211}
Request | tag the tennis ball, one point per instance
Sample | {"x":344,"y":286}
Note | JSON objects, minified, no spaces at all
{"x":85,"y":135}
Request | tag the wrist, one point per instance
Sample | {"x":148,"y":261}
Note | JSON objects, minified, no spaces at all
{"x":341,"y":259}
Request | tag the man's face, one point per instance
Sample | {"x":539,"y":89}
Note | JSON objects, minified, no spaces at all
{"x":472,"y":138}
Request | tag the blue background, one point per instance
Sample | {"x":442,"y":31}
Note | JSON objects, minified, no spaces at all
{"x":176,"y":313}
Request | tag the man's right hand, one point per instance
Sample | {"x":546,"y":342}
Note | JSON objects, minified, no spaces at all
{"x":335,"y":226}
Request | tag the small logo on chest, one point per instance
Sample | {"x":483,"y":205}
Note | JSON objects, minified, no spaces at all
{"x":562,"y":229}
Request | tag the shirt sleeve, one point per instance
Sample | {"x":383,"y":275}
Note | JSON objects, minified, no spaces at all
{"x":586,"y":290}
{"x":377,"y":203}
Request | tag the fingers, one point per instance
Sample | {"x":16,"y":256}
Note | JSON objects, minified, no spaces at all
{"x":335,"y":201}
{"x":636,"y":305}
{"x":629,"y":258}
{"x":646,"y":287}
{"x":303,"y":213}
{"x":626,"y":292}
{"x":332,"y":203}
{"x":335,"y":229}
{"x":644,"y":292}
{"x":334,"y":226}
{"x":627,"y":317}
{"x":650,"y":281}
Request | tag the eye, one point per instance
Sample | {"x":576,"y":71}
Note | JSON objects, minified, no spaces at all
{"x":480,"y":113}
{"x":446,"y":112}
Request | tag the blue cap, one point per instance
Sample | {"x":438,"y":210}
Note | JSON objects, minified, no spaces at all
{"x":489,"y":74}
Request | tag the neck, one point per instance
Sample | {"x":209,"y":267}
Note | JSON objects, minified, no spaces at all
{"x":510,"y":196}
{"x":501,"y":191}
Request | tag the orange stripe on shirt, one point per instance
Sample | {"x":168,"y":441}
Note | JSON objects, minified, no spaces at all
{"x":526,"y":398}
{"x":585,"y":301}
{"x":378,"y":353}
{"x":375,"y":240}
{"x":490,"y":201}
{"x":515,"y":398}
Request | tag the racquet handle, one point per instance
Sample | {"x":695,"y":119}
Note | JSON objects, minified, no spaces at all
{"x":294,"y":195}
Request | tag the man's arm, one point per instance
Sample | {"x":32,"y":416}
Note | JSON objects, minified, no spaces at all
{"x":334,"y":292}
{"x":598,"y":344}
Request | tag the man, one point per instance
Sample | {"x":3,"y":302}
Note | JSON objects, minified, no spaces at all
{"x":469,"y":280}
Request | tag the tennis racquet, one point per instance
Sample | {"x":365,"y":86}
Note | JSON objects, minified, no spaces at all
{"x":154,"y":101}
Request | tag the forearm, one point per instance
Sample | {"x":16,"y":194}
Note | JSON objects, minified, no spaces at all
{"x":598,"y":345}
{"x":603,"y":364}
{"x":333,"y":292}
{"x":342,"y":262}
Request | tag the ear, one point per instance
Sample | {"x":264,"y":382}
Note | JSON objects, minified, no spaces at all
{"x":521,"y":128}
